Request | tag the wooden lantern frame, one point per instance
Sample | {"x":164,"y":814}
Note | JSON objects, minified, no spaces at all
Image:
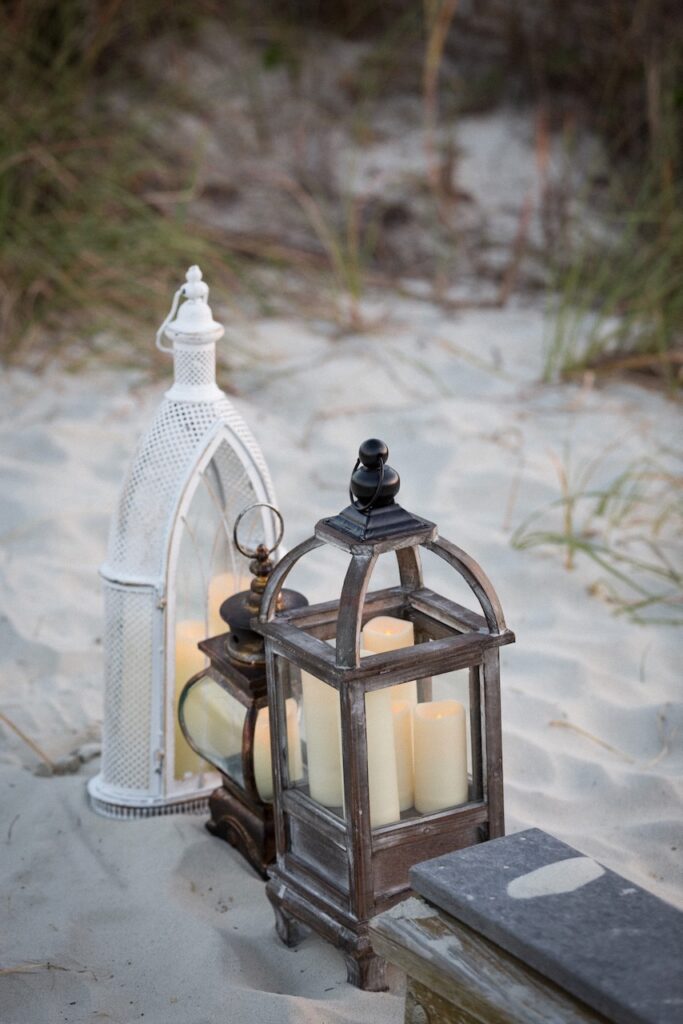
{"x":334,"y":875}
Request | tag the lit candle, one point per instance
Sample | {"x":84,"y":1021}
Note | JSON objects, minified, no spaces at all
{"x":387,"y":633}
{"x":221,"y":587}
{"x":188,"y":660}
{"x":440,"y":742}
{"x":322,"y":719}
{"x":382,"y":767}
{"x":263,"y":765}
{"x":403,"y":738}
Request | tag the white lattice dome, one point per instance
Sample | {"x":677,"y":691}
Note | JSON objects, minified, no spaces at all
{"x":171,"y":561}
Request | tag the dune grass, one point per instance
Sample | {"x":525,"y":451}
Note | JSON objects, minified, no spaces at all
{"x":82,"y":235}
{"x":618,"y":304}
{"x":630,"y":528}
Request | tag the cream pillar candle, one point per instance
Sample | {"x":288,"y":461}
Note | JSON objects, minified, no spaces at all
{"x":214,"y":719}
{"x":440,"y":747}
{"x":382,"y":761}
{"x":387,"y":633}
{"x":403,"y":738}
{"x":221,"y":587}
{"x":263,"y":764}
{"x":188,"y":660}
{"x":322,"y":721}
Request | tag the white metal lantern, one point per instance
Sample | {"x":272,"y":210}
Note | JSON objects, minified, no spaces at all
{"x":171,"y":562}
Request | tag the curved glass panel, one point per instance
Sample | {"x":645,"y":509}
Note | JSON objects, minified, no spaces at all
{"x":214,"y":720}
{"x":209,"y":569}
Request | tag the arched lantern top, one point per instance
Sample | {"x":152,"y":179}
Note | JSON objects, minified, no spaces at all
{"x":373,"y":524}
{"x":196,"y":426}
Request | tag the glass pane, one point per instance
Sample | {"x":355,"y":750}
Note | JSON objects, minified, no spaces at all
{"x":420,"y":747}
{"x":441,"y":743}
{"x":188,"y":660}
{"x":317,"y":762}
{"x":383,"y":760}
{"x":215,"y":721}
{"x":209,"y":569}
{"x":263,"y":771}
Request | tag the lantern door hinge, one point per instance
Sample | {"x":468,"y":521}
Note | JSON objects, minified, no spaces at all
{"x":158,"y":758}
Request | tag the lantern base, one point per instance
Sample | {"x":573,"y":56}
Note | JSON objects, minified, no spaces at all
{"x":249,"y":830}
{"x":112,"y":803}
{"x":296,"y":910}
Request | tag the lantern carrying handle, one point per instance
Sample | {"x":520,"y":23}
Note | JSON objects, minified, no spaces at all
{"x":368,"y":504}
{"x":172,"y":313}
{"x":254,"y":554}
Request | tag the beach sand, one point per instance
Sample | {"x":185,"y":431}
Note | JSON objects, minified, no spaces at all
{"x":155,"y":919}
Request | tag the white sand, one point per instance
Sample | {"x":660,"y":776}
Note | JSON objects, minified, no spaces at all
{"x":157,"y":917}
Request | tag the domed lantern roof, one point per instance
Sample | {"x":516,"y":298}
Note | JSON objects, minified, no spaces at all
{"x":171,"y":562}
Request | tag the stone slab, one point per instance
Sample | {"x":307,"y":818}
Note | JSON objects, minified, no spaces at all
{"x":603,"y":939}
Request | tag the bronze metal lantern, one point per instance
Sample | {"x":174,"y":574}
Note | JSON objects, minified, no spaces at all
{"x":223,"y":714}
{"x":344,"y":843}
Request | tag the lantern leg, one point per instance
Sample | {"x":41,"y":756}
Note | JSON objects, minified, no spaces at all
{"x":366,"y":971}
{"x":289,"y":930}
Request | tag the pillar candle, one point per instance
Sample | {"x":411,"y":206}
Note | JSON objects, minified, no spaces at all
{"x":188,"y":660}
{"x":221,"y":587}
{"x":403,"y":738}
{"x":382,"y":767}
{"x":387,"y":633}
{"x":322,"y":720}
{"x":440,"y":747}
{"x":263,"y":764}
{"x":214,"y":720}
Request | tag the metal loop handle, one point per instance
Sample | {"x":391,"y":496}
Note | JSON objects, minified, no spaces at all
{"x":373,"y":499}
{"x":172,"y":313}
{"x":258,"y":504}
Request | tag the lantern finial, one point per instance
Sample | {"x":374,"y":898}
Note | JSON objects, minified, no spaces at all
{"x":373,"y":515}
{"x":373,"y":483}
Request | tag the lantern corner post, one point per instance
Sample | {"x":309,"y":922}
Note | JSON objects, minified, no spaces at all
{"x":490,"y":676}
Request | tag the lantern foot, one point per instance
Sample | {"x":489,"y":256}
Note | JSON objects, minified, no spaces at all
{"x":249,"y":830}
{"x":366,"y":971}
{"x":289,"y":930}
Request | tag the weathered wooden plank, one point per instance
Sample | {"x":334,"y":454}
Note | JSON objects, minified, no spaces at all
{"x":603,"y":939}
{"x":446,"y":611}
{"x":480,"y":981}
{"x":432,"y":825}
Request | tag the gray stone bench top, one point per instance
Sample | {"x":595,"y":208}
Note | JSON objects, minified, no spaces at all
{"x":603,"y":939}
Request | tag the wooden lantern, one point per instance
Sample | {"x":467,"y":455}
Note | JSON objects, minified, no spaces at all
{"x":224,"y":716}
{"x":344,"y":847}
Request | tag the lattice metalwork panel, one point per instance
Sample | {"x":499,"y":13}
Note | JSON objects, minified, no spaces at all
{"x":129,"y":626}
{"x":137,"y":543}
{"x":195,"y":366}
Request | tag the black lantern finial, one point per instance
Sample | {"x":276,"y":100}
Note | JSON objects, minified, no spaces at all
{"x":374,"y":514}
{"x":373,"y":483}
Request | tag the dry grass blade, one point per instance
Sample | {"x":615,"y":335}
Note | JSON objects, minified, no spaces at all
{"x":561,"y":724}
{"x":630,"y":527}
{"x":27,"y":739}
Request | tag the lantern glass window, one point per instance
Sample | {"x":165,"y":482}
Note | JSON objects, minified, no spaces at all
{"x":209,"y":568}
{"x":313,"y":736}
{"x":420,"y":755}
{"x":215,"y":721}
